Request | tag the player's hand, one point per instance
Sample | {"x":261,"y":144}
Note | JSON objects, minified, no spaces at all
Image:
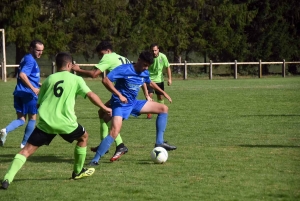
{"x":108,"y":111}
{"x":75,"y":67}
{"x":169,"y":82}
{"x":168,"y":97}
{"x":148,"y":98}
{"x":123,"y":99}
{"x":36,"y":91}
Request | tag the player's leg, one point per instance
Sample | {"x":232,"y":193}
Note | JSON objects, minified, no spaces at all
{"x":150,"y":93}
{"x":37,"y":139}
{"x":30,"y":106}
{"x":103,"y":122}
{"x":160,"y":97}
{"x":21,"y":118}
{"x":118,"y":114}
{"x":81,"y":136}
{"x":104,"y":128}
{"x":161,"y":122}
{"x":108,"y":140}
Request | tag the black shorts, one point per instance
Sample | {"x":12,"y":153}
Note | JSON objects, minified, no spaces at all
{"x":151,"y":90}
{"x":39,"y":137}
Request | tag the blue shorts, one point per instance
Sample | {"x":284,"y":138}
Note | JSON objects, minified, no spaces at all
{"x":26,"y":104}
{"x":125,"y":110}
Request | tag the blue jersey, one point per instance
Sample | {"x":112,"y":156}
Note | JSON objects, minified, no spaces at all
{"x":29,"y":66}
{"x":127,"y":82}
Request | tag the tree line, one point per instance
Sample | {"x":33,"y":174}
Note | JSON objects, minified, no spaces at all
{"x":221,"y":30}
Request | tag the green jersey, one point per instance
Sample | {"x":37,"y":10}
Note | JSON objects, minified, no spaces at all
{"x":57,"y":101}
{"x":156,"y":69}
{"x":110,"y":61}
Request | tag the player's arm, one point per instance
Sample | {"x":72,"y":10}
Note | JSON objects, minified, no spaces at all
{"x":157,"y":88}
{"x":110,"y":87}
{"x":169,"y":76}
{"x":97,"y":101}
{"x":91,"y":73}
{"x":146,"y":94}
{"x":26,"y":81}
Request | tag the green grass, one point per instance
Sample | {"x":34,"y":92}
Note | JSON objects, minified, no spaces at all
{"x":236,"y":139}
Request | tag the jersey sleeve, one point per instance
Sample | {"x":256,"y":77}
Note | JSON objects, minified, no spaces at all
{"x":83,"y":89}
{"x":147,"y":77}
{"x":104,"y":64}
{"x":28,"y":64}
{"x":166,"y":61}
{"x":43,"y":90}
{"x":117,"y":73}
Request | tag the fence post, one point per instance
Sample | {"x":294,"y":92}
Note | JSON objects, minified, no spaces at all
{"x":2,"y":72}
{"x":235,"y":69}
{"x":185,"y":71}
{"x":53,"y":67}
{"x":283,"y":68}
{"x":74,"y":62}
{"x":210,"y":69}
{"x":260,"y":69}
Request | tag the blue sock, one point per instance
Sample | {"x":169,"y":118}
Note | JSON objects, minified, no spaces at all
{"x":14,"y":124}
{"x":161,"y":124}
{"x":28,"y":130}
{"x":103,"y":147}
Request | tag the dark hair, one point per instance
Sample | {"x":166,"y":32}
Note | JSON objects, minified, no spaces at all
{"x":62,"y":59}
{"x":104,"y":45}
{"x":146,"y":56}
{"x":153,"y":45}
{"x":34,"y":42}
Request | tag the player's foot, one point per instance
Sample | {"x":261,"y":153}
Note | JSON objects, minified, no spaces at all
{"x":94,"y":149}
{"x":93,"y":163}
{"x":4,"y":184}
{"x":22,"y":146}
{"x":149,"y":116}
{"x":3,"y":135}
{"x":166,"y":146}
{"x":120,"y":150}
{"x":85,"y":172}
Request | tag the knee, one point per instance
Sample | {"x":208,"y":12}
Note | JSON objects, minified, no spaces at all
{"x":84,"y":137}
{"x":165,"y":109}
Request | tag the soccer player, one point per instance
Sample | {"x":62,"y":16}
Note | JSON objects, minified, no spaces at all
{"x":26,"y":93}
{"x":108,"y":61}
{"x":128,"y":79}
{"x":156,"y":73}
{"x":57,"y":117}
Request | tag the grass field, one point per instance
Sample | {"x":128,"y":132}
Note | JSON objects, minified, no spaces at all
{"x":236,"y":139}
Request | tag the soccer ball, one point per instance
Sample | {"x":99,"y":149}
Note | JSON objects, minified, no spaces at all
{"x":159,"y":155}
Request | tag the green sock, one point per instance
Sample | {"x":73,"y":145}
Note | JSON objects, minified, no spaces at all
{"x":79,"y":155}
{"x":15,"y":166}
{"x":103,"y":129}
{"x":118,"y":140}
{"x":161,"y":101}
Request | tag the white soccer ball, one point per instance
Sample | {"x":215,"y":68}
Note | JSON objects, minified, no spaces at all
{"x":159,"y":155}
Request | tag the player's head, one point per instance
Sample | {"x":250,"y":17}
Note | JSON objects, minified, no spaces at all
{"x":104,"y":47}
{"x":64,"y":61}
{"x":154,"y":48}
{"x":144,"y":61}
{"x":36,"y":48}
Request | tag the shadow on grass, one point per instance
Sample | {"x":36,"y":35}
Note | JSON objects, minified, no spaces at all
{"x":268,"y":146}
{"x":43,"y":179}
{"x":144,"y":162}
{"x":39,"y":159}
{"x":271,"y":115}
